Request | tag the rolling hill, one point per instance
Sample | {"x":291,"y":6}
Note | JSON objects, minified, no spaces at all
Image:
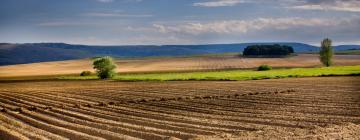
{"x":43,"y":52}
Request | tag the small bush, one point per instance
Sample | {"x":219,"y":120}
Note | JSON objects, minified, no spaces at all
{"x":85,"y":73}
{"x":264,"y":68}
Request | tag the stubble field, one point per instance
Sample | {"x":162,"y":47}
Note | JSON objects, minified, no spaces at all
{"x":301,"y":108}
{"x":171,"y":64}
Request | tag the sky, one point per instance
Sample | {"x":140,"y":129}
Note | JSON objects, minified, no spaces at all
{"x":160,"y":22}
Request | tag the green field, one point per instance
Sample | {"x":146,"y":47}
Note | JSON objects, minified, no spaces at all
{"x":349,"y":52}
{"x":232,"y":75}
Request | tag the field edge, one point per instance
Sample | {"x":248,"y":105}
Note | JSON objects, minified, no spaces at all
{"x":231,"y":75}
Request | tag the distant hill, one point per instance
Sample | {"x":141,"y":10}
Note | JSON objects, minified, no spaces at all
{"x":347,"y":47}
{"x":41,"y":52}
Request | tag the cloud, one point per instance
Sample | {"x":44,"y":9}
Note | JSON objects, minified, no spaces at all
{"x":219,"y":3}
{"x":117,"y":14}
{"x":61,"y":24}
{"x":309,"y":30}
{"x":224,"y":3}
{"x":294,"y":29}
{"x":329,"y":5}
{"x":133,"y":40}
{"x":325,"y":5}
{"x":244,"y":26}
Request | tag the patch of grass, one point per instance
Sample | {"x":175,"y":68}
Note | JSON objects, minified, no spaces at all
{"x":236,"y":75}
{"x":75,"y":77}
{"x":85,"y":73}
{"x":233,"y":75}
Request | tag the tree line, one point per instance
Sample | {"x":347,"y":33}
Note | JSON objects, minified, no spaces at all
{"x":268,"y":50}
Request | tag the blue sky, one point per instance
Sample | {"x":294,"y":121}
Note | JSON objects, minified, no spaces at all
{"x":130,"y":22}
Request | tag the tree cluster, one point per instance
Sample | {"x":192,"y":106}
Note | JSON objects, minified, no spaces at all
{"x":268,"y":50}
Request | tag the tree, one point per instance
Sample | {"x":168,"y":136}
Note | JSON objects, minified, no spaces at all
{"x":105,"y":67}
{"x":326,"y":52}
{"x":268,"y":50}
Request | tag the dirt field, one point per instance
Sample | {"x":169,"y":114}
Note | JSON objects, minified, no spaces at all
{"x":173,"y":64}
{"x":301,"y":108}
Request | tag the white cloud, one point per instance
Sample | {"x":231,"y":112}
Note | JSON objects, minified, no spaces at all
{"x":62,"y":23}
{"x":116,"y":14}
{"x":326,"y":5}
{"x":134,"y":40}
{"x":244,"y":26}
{"x":219,"y":3}
{"x":335,"y":5}
{"x":298,"y":29}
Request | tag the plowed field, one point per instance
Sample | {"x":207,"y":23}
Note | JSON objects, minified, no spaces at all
{"x":281,"y":108}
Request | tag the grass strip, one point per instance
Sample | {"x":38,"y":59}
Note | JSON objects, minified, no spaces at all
{"x":231,"y":75}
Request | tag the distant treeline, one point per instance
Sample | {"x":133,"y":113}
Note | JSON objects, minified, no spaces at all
{"x":268,"y":50}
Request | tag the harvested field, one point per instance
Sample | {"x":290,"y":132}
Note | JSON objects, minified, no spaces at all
{"x":202,"y":63}
{"x":302,"y":108}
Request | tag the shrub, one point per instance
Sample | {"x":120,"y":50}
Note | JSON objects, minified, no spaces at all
{"x":105,"y":67}
{"x":264,"y":68}
{"x":85,"y":73}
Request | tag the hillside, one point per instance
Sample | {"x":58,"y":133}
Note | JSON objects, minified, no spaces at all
{"x":43,"y":52}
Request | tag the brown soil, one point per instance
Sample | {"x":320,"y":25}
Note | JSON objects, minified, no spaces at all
{"x":344,"y":131}
{"x":302,"y":108}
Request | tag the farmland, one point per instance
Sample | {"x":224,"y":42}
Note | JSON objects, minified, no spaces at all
{"x":173,"y":64}
{"x":227,"y":75}
{"x":349,"y":52}
{"x":179,"y":70}
{"x":237,"y":75}
{"x":298,"y":108}
{"x":198,"y":97}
